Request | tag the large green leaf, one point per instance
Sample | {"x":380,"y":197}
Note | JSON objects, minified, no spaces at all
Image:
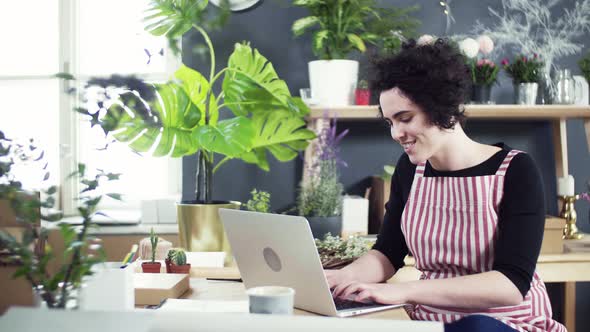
{"x":230,"y":137}
{"x":176,"y":113}
{"x":251,"y":84}
{"x":197,"y":87}
{"x":300,"y":25}
{"x":281,"y":133}
{"x":173,"y":18}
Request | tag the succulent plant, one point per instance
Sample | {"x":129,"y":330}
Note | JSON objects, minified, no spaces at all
{"x":178,"y":257}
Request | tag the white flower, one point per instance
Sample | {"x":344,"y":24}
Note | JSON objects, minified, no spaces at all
{"x":425,"y":40}
{"x":486,"y":44}
{"x":469,"y":47}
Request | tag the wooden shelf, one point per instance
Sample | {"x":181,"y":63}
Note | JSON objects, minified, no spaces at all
{"x":501,"y":112}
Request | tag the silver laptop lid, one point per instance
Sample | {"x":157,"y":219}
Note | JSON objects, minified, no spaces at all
{"x":274,"y":249}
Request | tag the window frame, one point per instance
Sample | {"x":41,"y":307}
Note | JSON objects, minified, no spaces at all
{"x":69,"y":120}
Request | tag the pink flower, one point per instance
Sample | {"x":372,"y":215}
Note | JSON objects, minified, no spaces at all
{"x":480,"y":62}
{"x":505,"y":62}
{"x":585,"y":196}
{"x":489,"y":62}
{"x":524,"y":59}
{"x":486,"y":44}
{"x":535,"y":55}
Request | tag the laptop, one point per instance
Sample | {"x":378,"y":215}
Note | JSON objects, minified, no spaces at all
{"x":279,"y":250}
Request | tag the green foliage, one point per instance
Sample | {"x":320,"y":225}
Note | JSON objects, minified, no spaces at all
{"x":29,"y":253}
{"x":321,"y":196}
{"x":173,"y":18}
{"x":336,"y":252}
{"x":584,"y":64}
{"x":181,"y":117}
{"x":524,"y":69}
{"x":154,"y":242}
{"x":342,"y":26}
{"x":260,"y":201}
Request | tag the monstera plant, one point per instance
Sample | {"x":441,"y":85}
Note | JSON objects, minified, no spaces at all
{"x":182,"y":117}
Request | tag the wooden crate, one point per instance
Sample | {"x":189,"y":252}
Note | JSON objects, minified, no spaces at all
{"x":553,"y":236}
{"x":378,"y":196}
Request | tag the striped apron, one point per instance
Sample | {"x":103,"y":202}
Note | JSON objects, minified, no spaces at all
{"x":450,"y":227}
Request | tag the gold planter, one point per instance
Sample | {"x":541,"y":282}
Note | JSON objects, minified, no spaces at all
{"x":200,"y":228}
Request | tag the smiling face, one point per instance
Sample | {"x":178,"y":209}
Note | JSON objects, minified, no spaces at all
{"x":411,"y":127}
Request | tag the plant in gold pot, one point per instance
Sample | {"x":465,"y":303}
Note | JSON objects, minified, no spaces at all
{"x":182,"y":117}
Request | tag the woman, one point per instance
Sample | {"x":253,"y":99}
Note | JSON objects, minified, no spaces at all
{"x":471,"y":214}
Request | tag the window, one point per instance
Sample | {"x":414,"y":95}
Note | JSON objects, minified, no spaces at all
{"x":87,"y":39}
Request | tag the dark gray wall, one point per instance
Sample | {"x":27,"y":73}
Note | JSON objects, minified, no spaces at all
{"x":368,"y":146}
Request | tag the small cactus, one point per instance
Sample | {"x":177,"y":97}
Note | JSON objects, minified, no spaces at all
{"x":154,"y":242}
{"x":179,"y":257}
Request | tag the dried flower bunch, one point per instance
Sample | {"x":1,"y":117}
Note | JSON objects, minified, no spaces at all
{"x":483,"y":70}
{"x":336,"y":252}
{"x":524,"y":69}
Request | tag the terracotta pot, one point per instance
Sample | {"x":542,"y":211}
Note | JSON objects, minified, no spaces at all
{"x":149,"y":267}
{"x":181,"y":269}
{"x":168,"y":265}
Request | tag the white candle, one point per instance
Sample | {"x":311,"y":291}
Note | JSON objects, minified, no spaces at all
{"x":565,"y":186}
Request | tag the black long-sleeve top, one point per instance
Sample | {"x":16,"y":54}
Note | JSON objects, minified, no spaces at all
{"x":521,"y":216}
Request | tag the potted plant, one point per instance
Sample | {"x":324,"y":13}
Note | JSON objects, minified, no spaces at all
{"x":336,"y":252}
{"x":320,"y":195}
{"x":341,"y":27}
{"x":57,"y":288}
{"x":152,"y":266}
{"x":182,"y":117}
{"x":176,"y":261}
{"x":362,"y":93}
{"x":526,"y":72}
{"x":260,"y":201}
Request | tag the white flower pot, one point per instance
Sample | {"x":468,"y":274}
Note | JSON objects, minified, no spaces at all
{"x":333,"y":82}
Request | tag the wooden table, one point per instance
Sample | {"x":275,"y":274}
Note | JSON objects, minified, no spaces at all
{"x":235,"y":291}
{"x":567,"y":268}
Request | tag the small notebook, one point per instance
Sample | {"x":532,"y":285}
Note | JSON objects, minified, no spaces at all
{"x":152,"y":288}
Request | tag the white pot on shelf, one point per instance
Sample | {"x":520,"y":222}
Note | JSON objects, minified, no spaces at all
{"x":333,"y":82}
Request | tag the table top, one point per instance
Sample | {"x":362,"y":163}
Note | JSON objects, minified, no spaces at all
{"x":217,"y":290}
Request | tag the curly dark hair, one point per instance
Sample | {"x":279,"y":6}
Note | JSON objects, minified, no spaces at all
{"x":434,"y":76}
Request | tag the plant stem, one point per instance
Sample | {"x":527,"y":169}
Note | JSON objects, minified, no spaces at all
{"x":73,"y":263}
{"x":221,"y":162}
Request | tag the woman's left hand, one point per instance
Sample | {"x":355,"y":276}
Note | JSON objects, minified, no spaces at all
{"x":380,"y":293}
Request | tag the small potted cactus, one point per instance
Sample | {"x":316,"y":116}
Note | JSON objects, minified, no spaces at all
{"x":176,"y":262}
{"x":152,"y":266}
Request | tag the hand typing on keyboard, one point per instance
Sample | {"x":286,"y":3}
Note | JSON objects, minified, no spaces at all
{"x":377,"y":293}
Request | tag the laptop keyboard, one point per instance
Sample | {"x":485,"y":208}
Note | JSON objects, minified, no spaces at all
{"x":344,"y":304}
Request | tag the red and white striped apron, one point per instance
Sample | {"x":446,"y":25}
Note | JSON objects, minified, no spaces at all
{"x":450,"y":227}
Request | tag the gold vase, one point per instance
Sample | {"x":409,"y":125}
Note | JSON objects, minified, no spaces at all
{"x":200,"y":228}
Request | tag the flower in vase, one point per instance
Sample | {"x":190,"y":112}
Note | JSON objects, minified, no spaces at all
{"x":484,"y":72}
{"x":524,"y":69}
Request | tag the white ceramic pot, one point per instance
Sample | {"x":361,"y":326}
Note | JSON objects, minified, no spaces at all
{"x":333,"y":82}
